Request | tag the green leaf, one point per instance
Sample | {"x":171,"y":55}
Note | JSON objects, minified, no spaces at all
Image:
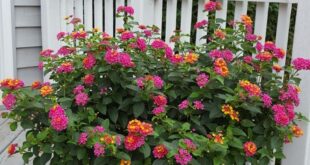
{"x":81,"y":153}
{"x":194,"y":95}
{"x":235,"y":142}
{"x":247,"y":123}
{"x":122,"y":155}
{"x":186,"y":127}
{"x":106,"y":123}
{"x":59,"y":138}
{"x":26,"y":156}
{"x":160,"y":162}
{"x":45,"y":157}
{"x":42,"y":135}
{"x":13,"y":126}
{"x":238,"y":132}
{"x":113,"y":114}
{"x":26,"y":124}
{"x":146,"y":150}
{"x":138,"y":109}
{"x":251,"y":108}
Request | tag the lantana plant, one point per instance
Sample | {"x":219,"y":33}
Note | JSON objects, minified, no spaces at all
{"x":134,"y":99}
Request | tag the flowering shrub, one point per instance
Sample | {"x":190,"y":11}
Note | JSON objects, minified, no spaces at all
{"x":133,"y":99}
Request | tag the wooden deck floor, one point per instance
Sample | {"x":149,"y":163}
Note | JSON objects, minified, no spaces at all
{"x":6,"y":138}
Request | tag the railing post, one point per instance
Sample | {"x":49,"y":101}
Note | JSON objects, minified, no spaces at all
{"x":299,"y":151}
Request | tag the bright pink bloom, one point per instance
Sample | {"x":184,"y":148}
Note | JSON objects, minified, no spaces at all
{"x":202,"y":79}
{"x":158,"y":44}
{"x":158,"y":82}
{"x":281,"y":118}
{"x":59,"y":122}
{"x":9,"y":101}
{"x":79,"y":35}
{"x":129,"y":10}
{"x":160,"y":100}
{"x":301,"y":64}
{"x":99,"y":129}
{"x":168,"y":52}
{"x":118,"y":140}
{"x":56,"y":110}
{"x":227,"y":55}
{"x":183,"y":105}
{"x":160,"y":151}
{"x":125,"y":60}
{"x":279,"y":53}
{"x":290,"y":111}
{"x":210,"y":6}
{"x":60,"y":35}
{"x":66,"y":67}
{"x":40,"y":65}
{"x":278,"y":108}
{"x":158,"y":110}
{"x":200,"y":24}
{"x":140,"y":83}
{"x":83,"y":138}
{"x":89,"y":79}
{"x":183,"y":157}
{"x":259,"y":46}
{"x":46,"y":53}
{"x":291,"y":95}
{"x":65,"y":50}
{"x":78,"y":89}
{"x":264,"y":56}
{"x":250,"y":37}
{"x":269,"y":46}
{"x":141,"y":44}
{"x":81,"y":99}
{"x":248,"y":59}
{"x":267,"y":100}
{"x":133,"y":142}
{"x":147,"y":33}
{"x":111,"y":56}
{"x":126,"y":35}
{"x":198,"y":105}
{"x":99,"y":150}
{"x":176,"y":59}
{"x":215,"y":53}
{"x":190,"y":145}
{"x":89,"y":61}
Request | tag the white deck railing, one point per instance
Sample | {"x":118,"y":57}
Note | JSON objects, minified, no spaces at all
{"x":151,"y":12}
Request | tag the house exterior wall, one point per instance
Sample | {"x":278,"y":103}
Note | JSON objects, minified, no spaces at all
{"x":28,"y":40}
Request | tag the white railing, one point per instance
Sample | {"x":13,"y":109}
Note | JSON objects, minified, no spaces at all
{"x":100,"y":14}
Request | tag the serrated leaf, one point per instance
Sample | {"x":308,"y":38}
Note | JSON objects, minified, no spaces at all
{"x":146,"y":150}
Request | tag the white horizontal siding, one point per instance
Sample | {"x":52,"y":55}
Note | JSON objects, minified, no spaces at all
{"x":27,"y":2}
{"x":28,"y":37}
{"x":28,"y":75}
{"x":27,"y":57}
{"x":27,"y":16}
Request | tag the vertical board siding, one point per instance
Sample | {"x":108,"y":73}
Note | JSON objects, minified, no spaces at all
{"x":201,"y":16}
{"x":69,"y":12}
{"x":108,"y":25}
{"x":63,"y":14}
{"x":241,"y":8}
{"x":283,"y":26}
{"x":261,"y":19}
{"x":171,"y":16}
{"x":158,"y":13}
{"x":118,"y":21}
{"x":186,"y":18}
{"x":88,"y":14}
{"x":222,"y":14}
{"x":98,"y":4}
{"x":78,"y":9}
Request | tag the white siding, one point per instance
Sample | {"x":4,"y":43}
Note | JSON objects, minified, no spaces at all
{"x":28,"y":39}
